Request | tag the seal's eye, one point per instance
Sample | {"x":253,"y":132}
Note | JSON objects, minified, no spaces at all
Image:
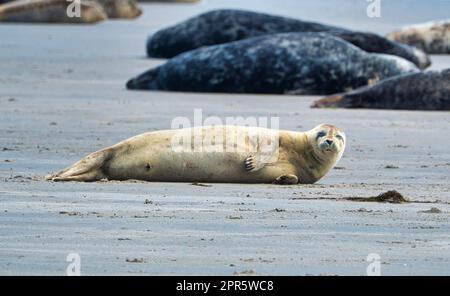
{"x":321,"y":134}
{"x":340,"y":137}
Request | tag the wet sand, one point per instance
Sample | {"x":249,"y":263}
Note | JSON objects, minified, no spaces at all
{"x":62,"y":96}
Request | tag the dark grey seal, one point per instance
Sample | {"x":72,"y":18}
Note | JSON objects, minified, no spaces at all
{"x":222,"y":26}
{"x":300,"y":63}
{"x":419,"y":91}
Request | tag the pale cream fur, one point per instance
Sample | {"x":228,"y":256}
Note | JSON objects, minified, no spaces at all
{"x":431,"y":37}
{"x":50,"y":11}
{"x":300,"y":157}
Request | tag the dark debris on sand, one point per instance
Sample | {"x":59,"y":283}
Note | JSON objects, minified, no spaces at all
{"x":200,"y":184}
{"x":391,"y":196}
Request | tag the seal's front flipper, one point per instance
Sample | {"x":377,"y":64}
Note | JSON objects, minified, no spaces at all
{"x":88,"y":169}
{"x":286,"y":180}
{"x":253,"y":163}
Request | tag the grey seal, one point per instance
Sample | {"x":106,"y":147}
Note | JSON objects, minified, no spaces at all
{"x":227,"y":25}
{"x":296,"y":63}
{"x":428,"y":90}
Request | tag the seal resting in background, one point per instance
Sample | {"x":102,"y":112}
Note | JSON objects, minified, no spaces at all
{"x":227,"y":25}
{"x":123,"y":9}
{"x":50,"y":11}
{"x":419,"y":91}
{"x":232,"y":154}
{"x":295,"y":63}
{"x":431,"y":37}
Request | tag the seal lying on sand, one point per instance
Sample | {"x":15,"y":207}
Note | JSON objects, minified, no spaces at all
{"x":50,"y":11}
{"x":55,"y":11}
{"x":296,"y":63}
{"x":431,"y":37}
{"x":419,"y":91}
{"x":257,"y":155}
{"x":222,"y":26}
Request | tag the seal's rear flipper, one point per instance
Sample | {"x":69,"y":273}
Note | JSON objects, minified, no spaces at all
{"x":287,"y":179}
{"x":328,"y":102}
{"x":88,"y":169}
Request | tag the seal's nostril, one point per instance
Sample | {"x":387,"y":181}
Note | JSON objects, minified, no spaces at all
{"x":329,"y":142}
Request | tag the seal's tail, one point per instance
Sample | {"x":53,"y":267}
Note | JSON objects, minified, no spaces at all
{"x":147,"y":80}
{"x":88,"y":169}
{"x":328,"y":102}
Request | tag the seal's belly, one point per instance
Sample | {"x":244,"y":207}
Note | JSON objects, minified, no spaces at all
{"x":166,"y":165}
{"x":154,"y":157}
{"x":210,"y":166}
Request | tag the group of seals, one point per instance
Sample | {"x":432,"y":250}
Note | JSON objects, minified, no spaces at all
{"x":218,"y":52}
{"x":431,"y":37}
{"x":295,"y":63}
{"x":299,"y":157}
{"x":227,"y":25}
{"x":245,"y":57}
{"x":55,"y":11}
{"x":418,"y":91}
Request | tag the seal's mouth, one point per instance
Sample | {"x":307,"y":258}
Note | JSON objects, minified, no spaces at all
{"x":327,"y":148}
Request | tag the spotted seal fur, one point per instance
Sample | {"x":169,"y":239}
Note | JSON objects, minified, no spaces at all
{"x":227,"y":25}
{"x":296,"y":63}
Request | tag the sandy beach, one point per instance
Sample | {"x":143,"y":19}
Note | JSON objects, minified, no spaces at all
{"x":62,"y":96}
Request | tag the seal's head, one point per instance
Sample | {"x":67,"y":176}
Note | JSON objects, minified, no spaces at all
{"x":327,"y":141}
